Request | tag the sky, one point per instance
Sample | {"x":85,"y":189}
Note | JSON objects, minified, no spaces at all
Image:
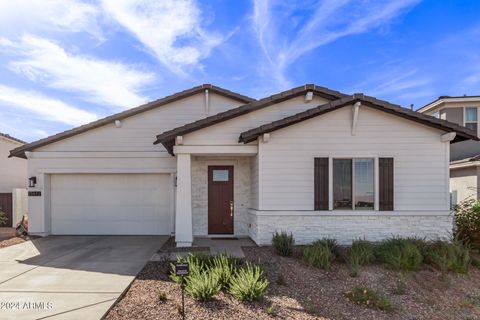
{"x":67,"y":63}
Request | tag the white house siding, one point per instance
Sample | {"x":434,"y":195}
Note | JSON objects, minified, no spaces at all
{"x":13,"y":171}
{"x":138,"y":132}
{"x":108,"y":149}
{"x":226,"y":133}
{"x":241,"y":176}
{"x":464,"y":181}
{"x":420,"y":165}
{"x":307,"y":227}
{"x":286,"y":172}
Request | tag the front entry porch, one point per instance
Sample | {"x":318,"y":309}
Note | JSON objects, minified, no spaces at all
{"x":213,"y":193}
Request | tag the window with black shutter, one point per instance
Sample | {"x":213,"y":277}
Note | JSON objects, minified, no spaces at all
{"x":385,"y":179}
{"x":321,"y":183}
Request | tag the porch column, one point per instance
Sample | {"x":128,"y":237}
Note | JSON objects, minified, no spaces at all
{"x":183,"y":212}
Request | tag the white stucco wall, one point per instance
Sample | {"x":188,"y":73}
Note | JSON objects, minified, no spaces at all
{"x":464,"y":181}
{"x":13,"y":171}
{"x":241,"y":189}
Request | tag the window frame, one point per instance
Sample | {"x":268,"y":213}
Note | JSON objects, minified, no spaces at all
{"x":465,"y":117}
{"x":376,"y":203}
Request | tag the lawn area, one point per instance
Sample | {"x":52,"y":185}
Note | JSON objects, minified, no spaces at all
{"x":300,"y":291}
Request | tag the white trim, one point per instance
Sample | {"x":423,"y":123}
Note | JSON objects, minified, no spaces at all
{"x":465,"y":165}
{"x":103,"y":170}
{"x":447,"y":174}
{"x":216,"y":150}
{"x":448,"y":100}
{"x":376,"y":169}
{"x":330,"y":183}
{"x":344,"y":213}
{"x":98,"y":154}
{"x":260,"y":172}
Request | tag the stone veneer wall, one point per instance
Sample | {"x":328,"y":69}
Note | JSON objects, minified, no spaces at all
{"x":308,"y":227}
{"x":241,"y":173}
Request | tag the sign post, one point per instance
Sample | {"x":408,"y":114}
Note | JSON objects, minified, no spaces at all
{"x":182,"y":270}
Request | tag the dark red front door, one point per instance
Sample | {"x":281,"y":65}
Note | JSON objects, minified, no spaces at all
{"x":220,"y":199}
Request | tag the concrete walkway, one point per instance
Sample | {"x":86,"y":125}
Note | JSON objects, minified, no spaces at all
{"x":230,"y":247}
{"x":70,"y":277}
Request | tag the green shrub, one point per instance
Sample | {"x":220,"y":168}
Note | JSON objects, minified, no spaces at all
{"x":331,"y":244}
{"x":319,"y":254}
{"x":198,"y":263}
{"x":449,"y":256}
{"x":369,"y":298}
{"x":202,"y":286}
{"x":248,"y":283}
{"x":401,"y":253}
{"x":361,"y":253}
{"x":467,"y":220}
{"x":224,"y":267}
{"x":3,"y":218}
{"x":283,"y":243}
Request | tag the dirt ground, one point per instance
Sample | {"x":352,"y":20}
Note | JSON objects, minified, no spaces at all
{"x":298,"y":291}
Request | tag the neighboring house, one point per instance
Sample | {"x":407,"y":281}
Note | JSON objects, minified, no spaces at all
{"x":311,"y":161}
{"x":464,"y":156}
{"x":13,"y":175}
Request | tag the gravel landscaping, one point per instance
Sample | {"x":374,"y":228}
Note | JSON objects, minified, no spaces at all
{"x":8,"y":237}
{"x":299,"y":291}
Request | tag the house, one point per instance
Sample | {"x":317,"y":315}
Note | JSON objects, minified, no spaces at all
{"x":464,"y":156}
{"x":210,"y":162}
{"x":13,"y":179}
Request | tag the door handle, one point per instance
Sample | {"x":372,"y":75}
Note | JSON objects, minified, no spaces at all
{"x":231,"y":208}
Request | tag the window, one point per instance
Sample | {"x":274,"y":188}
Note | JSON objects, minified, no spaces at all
{"x":220,"y":175}
{"x":353,"y":184}
{"x":471,"y":118}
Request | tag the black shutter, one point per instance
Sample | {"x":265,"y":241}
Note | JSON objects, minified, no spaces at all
{"x":321,"y":183}
{"x":385,"y":168}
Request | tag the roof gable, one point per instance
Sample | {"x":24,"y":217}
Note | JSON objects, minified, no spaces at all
{"x":13,"y":139}
{"x":167,"y":138}
{"x":20,"y":151}
{"x":462,"y":132}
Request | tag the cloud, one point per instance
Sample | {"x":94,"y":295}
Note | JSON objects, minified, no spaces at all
{"x":44,"y":107}
{"x":286,"y":31}
{"x":173,"y":31}
{"x":19,"y":16}
{"x":98,"y":81}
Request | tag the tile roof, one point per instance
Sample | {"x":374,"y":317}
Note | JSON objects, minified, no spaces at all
{"x":463,"y":133}
{"x":20,"y":151}
{"x":11,"y":138}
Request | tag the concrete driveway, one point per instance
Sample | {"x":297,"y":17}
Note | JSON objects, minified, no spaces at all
{"x":70,"y":277}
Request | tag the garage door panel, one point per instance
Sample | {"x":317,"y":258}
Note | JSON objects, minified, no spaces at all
{"x":111,"y":204}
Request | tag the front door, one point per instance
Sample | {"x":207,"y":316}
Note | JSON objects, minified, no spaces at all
{"x":220,"y":199}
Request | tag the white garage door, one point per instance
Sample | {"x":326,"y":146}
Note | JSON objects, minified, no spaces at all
{"x":111,"y":204}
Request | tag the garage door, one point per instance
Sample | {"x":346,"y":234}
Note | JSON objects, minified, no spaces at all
{"x":111,"y":204}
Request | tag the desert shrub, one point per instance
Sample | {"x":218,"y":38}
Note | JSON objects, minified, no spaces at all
{"x":361,"y":253}
{"x":449,"y":256}
{"x":401,"y":253}
{"x":202,"y":286}
{"x":283,"y":243}
{"x":224,"y":267}
{"x":369,"y":298}
{"x":319,"y":254}
{"x":248,"y":283}
{"x":467,"y":221}
{"x":3,"y":218}
{"x":198,"y":263}
{"x":162,"y":296}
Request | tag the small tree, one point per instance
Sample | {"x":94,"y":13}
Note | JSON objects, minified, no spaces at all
{"x":467,"y":220}
{"x":3,"y":218}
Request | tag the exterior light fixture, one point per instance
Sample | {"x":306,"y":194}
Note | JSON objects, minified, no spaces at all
{"x":32,"y":181}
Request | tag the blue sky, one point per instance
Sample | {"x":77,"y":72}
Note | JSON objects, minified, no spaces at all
{"x":66,"y":63}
